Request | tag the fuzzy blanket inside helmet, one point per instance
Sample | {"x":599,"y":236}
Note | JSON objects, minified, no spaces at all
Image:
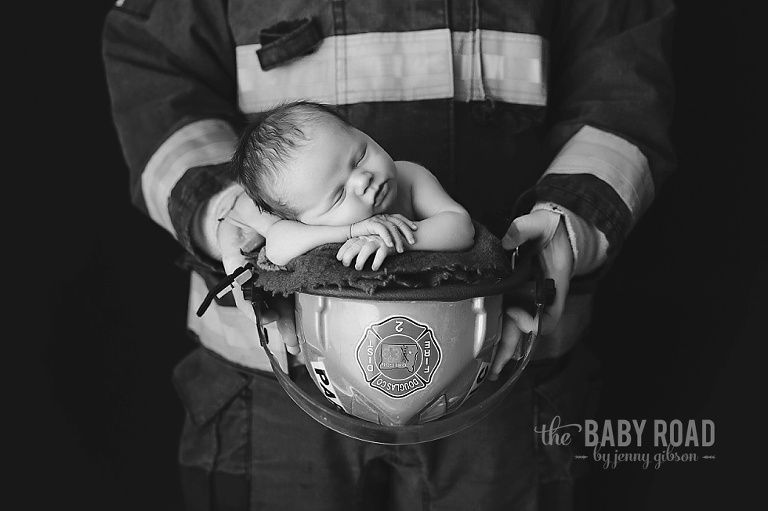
{"x":319,"y":268}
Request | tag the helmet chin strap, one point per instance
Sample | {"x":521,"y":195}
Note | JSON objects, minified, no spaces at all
{"x":476,"y":408}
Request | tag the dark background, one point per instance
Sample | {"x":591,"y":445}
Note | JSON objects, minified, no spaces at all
{"x":677,"y":319}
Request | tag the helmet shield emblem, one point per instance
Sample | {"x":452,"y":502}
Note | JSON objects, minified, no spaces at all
{"x":398,"y":355}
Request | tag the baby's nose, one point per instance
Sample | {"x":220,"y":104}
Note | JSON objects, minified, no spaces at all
{"x":361,"y":180}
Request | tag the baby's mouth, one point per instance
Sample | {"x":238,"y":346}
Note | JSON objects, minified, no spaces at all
{"x":381,"y":194}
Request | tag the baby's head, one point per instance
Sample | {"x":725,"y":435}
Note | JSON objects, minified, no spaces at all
{"x":303,"y":161}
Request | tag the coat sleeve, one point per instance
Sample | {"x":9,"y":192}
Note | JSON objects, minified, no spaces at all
{"x":610,"y":103}
{"x":170,"y":68}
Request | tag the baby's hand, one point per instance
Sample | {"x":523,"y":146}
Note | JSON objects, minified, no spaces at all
{"x":362,"y":247}
{"x":391,"y":228}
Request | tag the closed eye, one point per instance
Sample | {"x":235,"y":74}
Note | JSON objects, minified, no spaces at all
{"x":362,"y":156}
{"x":339,"y":196}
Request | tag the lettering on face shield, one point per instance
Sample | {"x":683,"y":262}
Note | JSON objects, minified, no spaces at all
{"x":398,"y":355}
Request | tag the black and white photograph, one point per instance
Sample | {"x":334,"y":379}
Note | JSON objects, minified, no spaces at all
{"x":397,"y":255}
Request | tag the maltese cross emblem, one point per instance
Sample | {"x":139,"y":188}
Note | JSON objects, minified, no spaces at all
{"x":398,"y":355}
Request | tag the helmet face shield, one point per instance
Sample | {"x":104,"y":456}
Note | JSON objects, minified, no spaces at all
{"x":397,"y":363}
{"x":399,"y":371}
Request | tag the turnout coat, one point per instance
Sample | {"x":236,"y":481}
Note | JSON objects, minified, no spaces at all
{"x":509,"y":103}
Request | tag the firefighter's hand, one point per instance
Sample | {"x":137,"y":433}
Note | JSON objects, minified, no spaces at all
{"x":547,"y":231}
{"x":234,"y":238}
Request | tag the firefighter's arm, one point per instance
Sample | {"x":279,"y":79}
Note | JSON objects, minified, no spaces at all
{"x":611,"y":100}
{"x":171,"y":72}
{"x":170,"y":68}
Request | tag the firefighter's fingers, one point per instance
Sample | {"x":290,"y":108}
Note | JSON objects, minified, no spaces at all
{"x":556,"y":259}
{"x":552,"y":314}
{"x":547,"y":230}
{"x":268,"y":315}
{"x":230,"y":238}
{"x":244,"y":305}
{"x":519,"y":317}
{"x":538,"y":226}
{"x":286,"y":322}
{"x":511,"y":336}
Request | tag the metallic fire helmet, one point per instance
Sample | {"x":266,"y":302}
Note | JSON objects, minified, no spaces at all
{"x":395,"y":366}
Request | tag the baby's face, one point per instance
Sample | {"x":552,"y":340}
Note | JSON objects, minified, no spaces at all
{"x":340,"y":176}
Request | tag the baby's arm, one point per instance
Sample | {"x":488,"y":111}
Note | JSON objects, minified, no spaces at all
{"x":287,"y":239}
{"x":445,"y":225}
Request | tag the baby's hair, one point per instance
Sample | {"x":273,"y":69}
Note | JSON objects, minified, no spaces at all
{"x":266,"y":145}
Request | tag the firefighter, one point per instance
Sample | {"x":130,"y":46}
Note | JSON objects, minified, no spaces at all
{"x":547,"y":120}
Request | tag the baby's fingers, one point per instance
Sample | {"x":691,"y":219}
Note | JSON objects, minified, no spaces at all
{"x":343,"y":249}
{"x":396,"y":236}
{"x":381,"y":254}
{"x":407,"y":221}
{"x":349,"y":250}
{"x":404,"y":226}
{"x":382,"y":229}
{"x":365,"y":252}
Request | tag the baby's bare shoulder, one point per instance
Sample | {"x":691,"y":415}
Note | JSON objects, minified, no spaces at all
{"x":409,"y":167}
{"x":409,"y":173}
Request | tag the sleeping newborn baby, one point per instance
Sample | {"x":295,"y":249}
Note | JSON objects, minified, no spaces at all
{"x":316,"y":179}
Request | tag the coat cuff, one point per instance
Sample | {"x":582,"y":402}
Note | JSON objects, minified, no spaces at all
{"x":188,"y":199}
{"x":602,"y":178}
{"x":185,"y":171}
